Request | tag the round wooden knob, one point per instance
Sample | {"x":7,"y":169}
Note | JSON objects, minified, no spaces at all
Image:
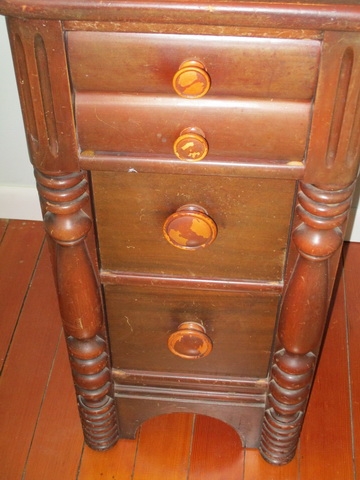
{"x":190,"y":341}
{"x":191,"y":145}
{"x":190,"y":228}
{"x":191,"y":80}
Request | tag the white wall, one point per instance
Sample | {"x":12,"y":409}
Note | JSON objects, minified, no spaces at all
{"x":18,"y":197}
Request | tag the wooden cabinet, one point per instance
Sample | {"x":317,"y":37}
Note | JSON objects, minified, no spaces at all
{"x":195,"y":166}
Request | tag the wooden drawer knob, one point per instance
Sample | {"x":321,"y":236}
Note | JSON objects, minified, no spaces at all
{"x":190,"y":228}
{"x":191,"y":80}
{"x":191,"y":145}
{"x":190,"y":341}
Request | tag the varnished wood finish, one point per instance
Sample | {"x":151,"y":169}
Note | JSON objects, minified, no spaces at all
{"x":230,"y":62}
{"x":80,"y":305}
{"x":47,"y":109}
{"x":245,"y":167}
{"x":40,"y":63}
{"x":145,"y":317}
{"x":343,"y":15}
{"x":206,"y":448}
{"x":317,"y":238}
{"x":125,"y":225}
{"x":276,"y":129}
{"x":336,"y":118}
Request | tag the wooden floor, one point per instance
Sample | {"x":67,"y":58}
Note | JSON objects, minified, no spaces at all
{"x":40,"y":435}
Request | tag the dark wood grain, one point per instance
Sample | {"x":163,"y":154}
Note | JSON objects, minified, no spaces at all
{"x":238,"y":206}
{"x":336,"y":114}
{"x":239,"y":325}
{"x":343,"y":15}
{"x":44,"y":91}
{"x":233,"y":127}
{"x":288,"y":67}
{"x":80,"y":304}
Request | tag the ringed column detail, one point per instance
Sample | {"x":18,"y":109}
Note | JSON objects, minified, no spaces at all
{"x":303,"y":316}
{"x":46,"y":99}
{"x":80,"y":304}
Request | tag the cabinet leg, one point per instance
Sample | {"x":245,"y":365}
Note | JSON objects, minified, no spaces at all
{"x":303,"y":317}
{"x":63,"y":198}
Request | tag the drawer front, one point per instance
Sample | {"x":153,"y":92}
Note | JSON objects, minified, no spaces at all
{"x":239,"y":326}
{"x":252,"y":218}
{"x":146,"y":63}
{"x":148,"y":125}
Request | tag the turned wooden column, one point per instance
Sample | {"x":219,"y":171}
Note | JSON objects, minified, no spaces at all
{"x":80,"y":304}
{"x":324,"y":200}
{"x":41,"y":68}
{"x":303,"y":318}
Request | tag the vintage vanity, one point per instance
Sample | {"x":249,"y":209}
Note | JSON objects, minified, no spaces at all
{"x":217,"y":144}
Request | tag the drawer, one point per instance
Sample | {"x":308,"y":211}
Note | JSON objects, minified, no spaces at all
{"x":239,"y":326}
{"x":146,"y":63}
{"x":149,"y":125}
{"x":252,"y":217}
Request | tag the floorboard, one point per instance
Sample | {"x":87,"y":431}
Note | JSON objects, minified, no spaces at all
{"x":40,"y":433}
{"x":115,"y":464}
{"x":164,"y":448}
{"x":26,"y":371}
{"x":19,"y":251}
{"x":326,"y":442}
{"x":58,"y":442}
{"x":216,"y":452}
{"x":3,"y":225}
{"x":257,"y":469}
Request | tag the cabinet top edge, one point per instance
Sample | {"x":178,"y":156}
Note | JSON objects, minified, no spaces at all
{"x":288,"y":14}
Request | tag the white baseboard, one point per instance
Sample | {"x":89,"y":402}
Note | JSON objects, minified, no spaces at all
{"x":22,"y":203}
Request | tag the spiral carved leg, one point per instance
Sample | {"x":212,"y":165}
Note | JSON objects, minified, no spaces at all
{"x":89,"y":362}
{"x":80,"y":304}
{"x":303,"y":317}
{"x":288,"y":394}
